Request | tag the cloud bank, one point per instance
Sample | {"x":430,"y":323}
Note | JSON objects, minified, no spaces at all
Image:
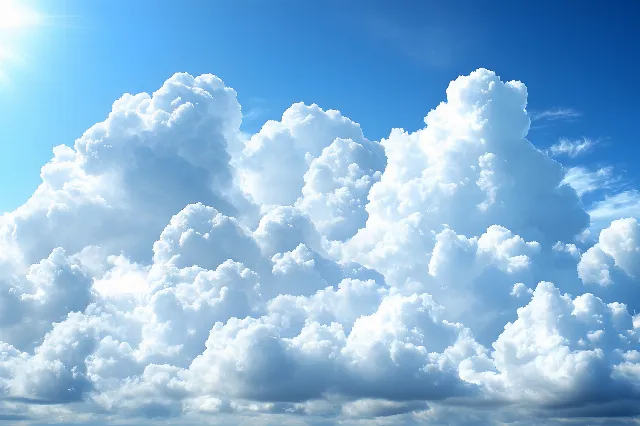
{"x":169,"y":268}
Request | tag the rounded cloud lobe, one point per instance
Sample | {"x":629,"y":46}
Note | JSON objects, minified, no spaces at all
{"x":168,"y":267}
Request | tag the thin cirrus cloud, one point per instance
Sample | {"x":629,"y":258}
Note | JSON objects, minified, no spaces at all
{"x":607,"y":196}
{"x":585,"y":181}
{"x":556,"y":114}
{"x":572,"y":148}
{"x":170,"y":267}
{"x":622,"y":204}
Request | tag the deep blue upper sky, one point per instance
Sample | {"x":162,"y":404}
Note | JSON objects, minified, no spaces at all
{"x":384,"y":64}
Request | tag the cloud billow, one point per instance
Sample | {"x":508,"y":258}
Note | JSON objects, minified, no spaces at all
{"x":169,"y":267}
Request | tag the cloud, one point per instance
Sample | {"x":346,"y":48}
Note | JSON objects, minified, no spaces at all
{"x":571,"y":148}
{"x":554,"y":354}
{"x":554,"y":114}
{"x":621,"y":204}
{"x":170,"y":268}
{"x":585,"y":181}
{"x":618,"y":245}
{"x":607,"y":196}
{"x":253,"y":111}
{"x":296,"y":140}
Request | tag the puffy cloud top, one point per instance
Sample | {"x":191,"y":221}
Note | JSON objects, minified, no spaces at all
{"x":618,"y":246}
{"x":168,"y":267}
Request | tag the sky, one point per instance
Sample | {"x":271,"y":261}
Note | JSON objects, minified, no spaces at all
{"x":319,"y":213}
{"x":384,"y":65}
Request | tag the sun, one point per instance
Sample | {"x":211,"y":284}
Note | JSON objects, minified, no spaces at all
{"x":17,"y":22}
{"x":14,"y":15}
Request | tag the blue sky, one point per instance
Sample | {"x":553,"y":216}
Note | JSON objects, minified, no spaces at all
{"x":212,"y":214}
{"x":384,"y":64}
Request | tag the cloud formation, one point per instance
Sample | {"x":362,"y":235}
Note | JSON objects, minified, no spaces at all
{"x":557,"y":113}
{"x":625,"y":203}
{"x":585,"y":181}
{"x":571,"y":148}
{"x":169,"y":268}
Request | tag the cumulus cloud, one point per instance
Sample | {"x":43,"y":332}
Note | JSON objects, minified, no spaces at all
{"x":169,"y":267}
{"x":277,"y":161}
{"x":618,"y":245}
{"x":562,"y":353}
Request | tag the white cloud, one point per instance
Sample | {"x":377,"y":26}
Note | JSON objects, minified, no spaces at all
{"x":616,"y":206}
{"x":274,"y":161}
{"x":169,"y":267}
{"x":557,"y":113}
{"x":571,"y":148}
{"x":337,"y":185}
{"x":607,"y":196}
{"x":585,"y":181}
{"x":520,"y":290}
{"x":618,"y":245}
{"x":549,"y":357}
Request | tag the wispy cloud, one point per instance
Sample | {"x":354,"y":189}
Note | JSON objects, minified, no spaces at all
{"x":255,"y":108}
{"x":571,"y":148}
{"x":555,"y":114}
{"x":621,"y":205}
{"x":584,"y":180}
{"x":255,"y":113}
{"x":607,"y":195}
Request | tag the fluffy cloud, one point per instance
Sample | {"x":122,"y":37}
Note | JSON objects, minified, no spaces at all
{"x":337,"y":185}
{"x":128,"y":175}
{"x":168,"y":267}
{"x":563,"y":353}
{"x":619,"y":246}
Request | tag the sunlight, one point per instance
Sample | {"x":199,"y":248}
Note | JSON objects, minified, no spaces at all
{"x":16,"y":21}
{"x":13,"y":15}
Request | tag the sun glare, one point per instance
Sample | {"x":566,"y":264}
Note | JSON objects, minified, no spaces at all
{"x":14,"y":15}
{"x":16,"y":22}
